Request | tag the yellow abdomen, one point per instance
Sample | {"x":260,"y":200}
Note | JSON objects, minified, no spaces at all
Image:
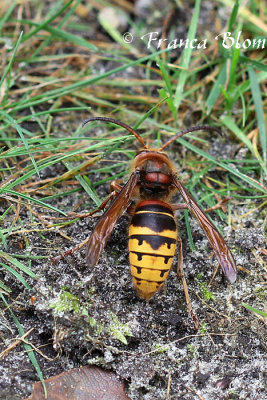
{"x":152,"y":243}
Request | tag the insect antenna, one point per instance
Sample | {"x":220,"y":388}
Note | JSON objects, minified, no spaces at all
{"x":188,"y":130}
{"x":122,"y":124}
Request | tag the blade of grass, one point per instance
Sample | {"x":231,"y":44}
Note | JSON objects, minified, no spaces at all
{"x":18,"y":264}
{"x":28,"y":348}
{"x":47,"y":21}
{"x":11,"y":6}
{"x":69,"y":37}
{"x":46,"y":42}
{"x":255,"y":310}
{"x":166,"y":77}
{"x":33,"y":200}
{"x":233,"y":75}
{"x":9,"y":66}
{"x":233,"y":16}
{"x":28,"y":257}
{"x":250,"y":62}
{"x":62,"y":91}
{"x":52,"y":111}
{"x":17,"y":275}
{"x":86,"y":185}
{"x":256,"y":95}
{"x":151,"y":111}
{"x":187,"y":56}
{"x":246,"y":14}
{"x":215,"y":91}
{"x":59,"y":33}
{"x":112,"y":31}
{"x":225,"y":166}
{"x":4,"y":288}
{"x":189,"y":233}
{"x":230,"y":124}
{"x":19,"y":130}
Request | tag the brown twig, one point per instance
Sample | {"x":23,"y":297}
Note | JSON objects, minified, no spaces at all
{"x":15,"y":343}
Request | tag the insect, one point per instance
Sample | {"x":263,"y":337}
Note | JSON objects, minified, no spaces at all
{"x":153,"y":233}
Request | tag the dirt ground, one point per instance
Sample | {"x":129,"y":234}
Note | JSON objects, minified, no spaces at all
{"x":96,"y":318}
{"x":225,"y":359}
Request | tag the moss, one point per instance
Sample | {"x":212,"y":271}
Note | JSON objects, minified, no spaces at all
{"x":118,"y":330}
{"x":159,"y":348}
{"x":67,"y":302}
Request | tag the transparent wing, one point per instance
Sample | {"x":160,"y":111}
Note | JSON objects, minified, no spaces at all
{"x":217,"y":242}
{"x":107,"y":221}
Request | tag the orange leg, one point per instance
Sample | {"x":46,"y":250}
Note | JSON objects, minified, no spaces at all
{"x":116,"y":188}
{"x":180,"y":274}
{"x":56,"y":259}
{"x":220,"y":204}
{"x":179,"y":206}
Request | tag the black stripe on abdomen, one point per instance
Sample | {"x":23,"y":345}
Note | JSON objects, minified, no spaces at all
{"x":156,"y":222}
{"x":155,"y":207}
{"x":155,"y":241}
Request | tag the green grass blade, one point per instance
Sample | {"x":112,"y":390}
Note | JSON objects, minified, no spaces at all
{"x":233,"y":16}
{"x":19,"y":130}
{"x":51,"y":111}
{"x":166,"y":77}
{"x":33,"y":200}
{"x":225,"y":166}
{"x":17,"y":275}
{"x":255,"y":63}
{"x":85,"y":183}
{"x":234,"y":65}
{"x":255,"y":310}
{"x":47,"y":21}
{"x":11,"y":6}
{"x":216,"y":91}
{"x":229,"y":123}
{"x":18,"y":264}
{"x":151,"y":111}
{"x":3,"y":287}
{"x":69,"y":37}
{"x":187,"y":56}
{"x":112,"y":31}
{"x":256,"y":95}
{"x":9,"y":66}
{"x":27,"y":347}
{"x":189,"y":233}
{"x":55,"y":93}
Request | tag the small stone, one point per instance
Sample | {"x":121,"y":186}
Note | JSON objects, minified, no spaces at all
{"x":117,"y":19}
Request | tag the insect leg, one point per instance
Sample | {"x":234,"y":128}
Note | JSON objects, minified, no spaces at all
{"x":179,"y":206}
{"x":115,"y":187}
{"x":180,"y":274}
{"x":220,"y":204}
{"x":56,"y":259}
